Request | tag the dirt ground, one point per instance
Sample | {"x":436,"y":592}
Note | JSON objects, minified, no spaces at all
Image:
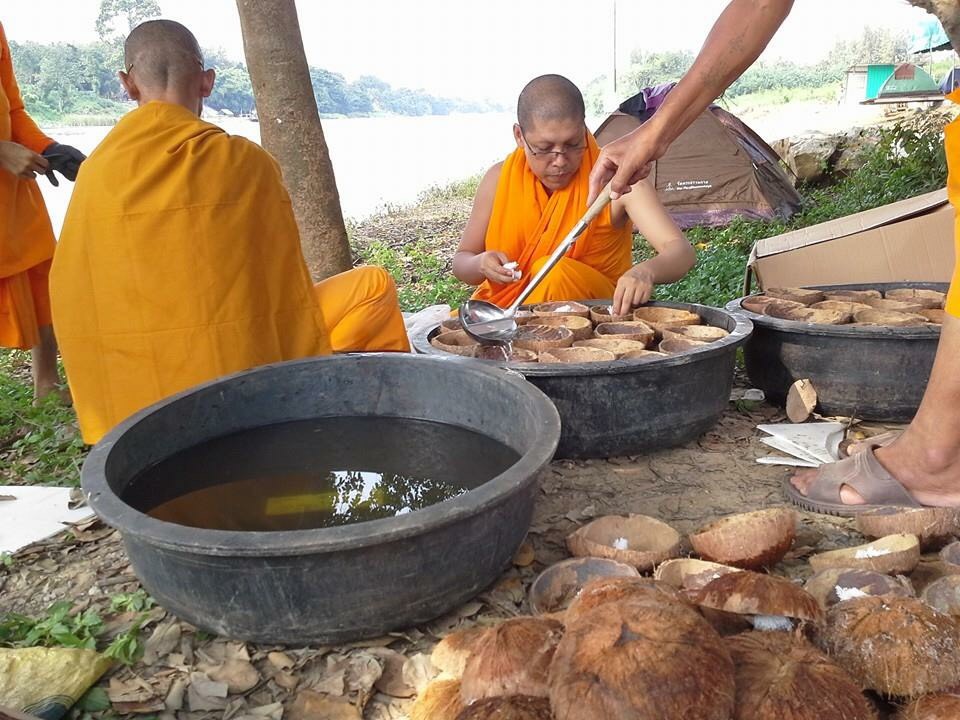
{"x":188,"y":674}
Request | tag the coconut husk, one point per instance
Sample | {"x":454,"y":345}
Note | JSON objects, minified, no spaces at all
{"x":845,"y":306}
{"x":648,"y":541}
{"x":629,"y":330}
{"x":943,"y":595}
{"x":925,"y":298}
{"x":701,"y":333}
{"x":643,"y":355}
{"x":658,"y":318}
{"x":677,"y":344}
{"x":518,"y":707}
{"x":835,"y":585}
{"x":933,"y":526}
{"x":450,"y":654}
{"x":888,"y":318}
{"x":511,"y":658}
{"x":851,"y":295}
{"x":619,"y":589}
{"x":600,"y":314}
{"x":781,"y":676}
{"x":542,"y":337}
{"x":896,"y":646}
{"x":562,"y":307}
{"x":524,"y":317}
{"x":616,"y":346}
{"x":747,"y":540}
{"x":500,"y":353}
{"x":576,"y":355}
{"x":801,"y":401}
{"x":641,"y":659}
{"x":555,"y":588}
{"x":893,"y":305}
{"x":894,"y":555}
{"x":752,"y":593}
{"x":934,"y":316}
{"x":950,"y":558}
{"x":456,"y":342}
{"x":758,"y":303}
{"x":931,"y":707}
{"x":451,"y":324}
{"x":798,"y":295}
{"x":581,"y":327}
{"x":440,"y":700}
{"x":808,"y":315}
{"x":690,"y":573}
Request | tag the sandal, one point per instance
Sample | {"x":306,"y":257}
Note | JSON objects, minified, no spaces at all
{"x":872,"y":443}
{"x":861,"y":471}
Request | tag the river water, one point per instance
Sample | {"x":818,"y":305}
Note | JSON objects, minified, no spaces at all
{"x":377,"y":161}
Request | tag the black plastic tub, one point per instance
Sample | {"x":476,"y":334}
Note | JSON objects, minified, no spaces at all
{"x":334,"y":584}
{"x":626,"y":407}
{"x":874,"y":373}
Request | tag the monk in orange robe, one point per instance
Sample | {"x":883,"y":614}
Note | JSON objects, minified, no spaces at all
{"x":526,"y":205}
{"x":26,"y":236}
{"x":180,"y":260}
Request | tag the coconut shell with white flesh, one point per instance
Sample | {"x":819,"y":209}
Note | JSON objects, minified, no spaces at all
{"x":690,"y":573}
{"x":450,"y":654}
{"x":637,"y":540}
{"x":677,"y":344}
{"x":888,"y":318}
{"x":456,"y":342}
{"x":542,"y":337}
{"x":641,"y":659}
{"x":576,"y":355}
{"x":617,"y":346}
{"x":801,"y":401}
{"x":511,"y":658}
{"x":798,"y":295}
{"x":440,"y":700}
{"x":931,"y":707}
{"x":581,"y":327}
{"x":756,"y":594}
{"x":896,"y":646}
{"x":619,"y":589}
{"x":781,"y":676}
{"x":628,"y":330}
{"x":659,"y":318}
{"x":517,"y":707}
{"x":701,"y":333}
{"x":600,"y":314}
{"x":835,"y":585}
{"x":926,"y":298}
{"x":555,"y":588}
{"x":561,"y":307}
{"x":751,"y":540}
{"x":893,"y":554}
{"x":933,"y":526}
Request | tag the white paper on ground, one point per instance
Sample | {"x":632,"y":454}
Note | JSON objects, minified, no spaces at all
{"x":790,"y":449}
{"x":788,"y":461}
{"x":35,"y":514}
{"x":816,"y":441}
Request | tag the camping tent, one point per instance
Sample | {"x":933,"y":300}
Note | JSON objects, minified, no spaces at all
{"x":716,"y":170}
{"x":951,"y":81}
{"x":907,"y":83}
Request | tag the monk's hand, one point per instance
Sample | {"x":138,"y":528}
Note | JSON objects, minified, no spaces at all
{"x":492,"y":267}
{"x":65,"y":159}
{"x":624,"y":162}
{"x":634,"y":288}
{"x":21,"y":161}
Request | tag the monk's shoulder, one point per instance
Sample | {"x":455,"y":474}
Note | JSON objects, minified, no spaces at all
{"x":487,"y":187}
{"x":247,"y":152}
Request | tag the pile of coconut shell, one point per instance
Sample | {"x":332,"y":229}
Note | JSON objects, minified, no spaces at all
{"x":899,"y":307}
{"x":571,"y":332}
{"x":719,"y":637}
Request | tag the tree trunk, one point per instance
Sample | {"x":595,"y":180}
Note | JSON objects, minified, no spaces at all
{"x":290,"y":130}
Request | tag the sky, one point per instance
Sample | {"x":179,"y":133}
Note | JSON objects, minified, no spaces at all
{"x":486,"y":49}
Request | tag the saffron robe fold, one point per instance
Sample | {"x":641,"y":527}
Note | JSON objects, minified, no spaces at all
{"x":527,"y":224}
{"x":951,"y":135}
{"x":26,"y":235}
{"x":180,"y":262}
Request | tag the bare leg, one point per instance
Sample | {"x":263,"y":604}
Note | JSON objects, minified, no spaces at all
{"x":45,"y":377}
{"x":926,"y":458}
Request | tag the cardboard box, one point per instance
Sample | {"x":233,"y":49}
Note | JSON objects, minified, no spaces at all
{"x":910,"y":240}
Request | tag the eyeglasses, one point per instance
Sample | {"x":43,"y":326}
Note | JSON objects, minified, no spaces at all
{"x":568,"y":151}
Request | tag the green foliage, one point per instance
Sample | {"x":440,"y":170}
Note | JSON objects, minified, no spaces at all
{"x":423,"y":277}
{"x":118,"y":17}
{"x":39,"y":445}
{"x":460,"y":189}
{"x":95,"y":700}
{"x":137,"y":601}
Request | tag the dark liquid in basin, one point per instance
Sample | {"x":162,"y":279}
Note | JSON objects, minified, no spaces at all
{"x":317,"y":473}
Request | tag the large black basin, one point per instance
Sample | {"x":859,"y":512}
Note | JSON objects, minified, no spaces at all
{"x":630,"y":406}
{"x":341,"y":583}
{"x":874,"y":373}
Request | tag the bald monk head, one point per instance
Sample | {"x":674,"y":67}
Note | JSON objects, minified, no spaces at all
{"x":551,"y":129}
{"x":163,"y":62}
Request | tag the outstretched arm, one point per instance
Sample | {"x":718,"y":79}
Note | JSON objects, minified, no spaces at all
{"x":738,"y":37}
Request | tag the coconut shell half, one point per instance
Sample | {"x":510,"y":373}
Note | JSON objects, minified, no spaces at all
{"x":562,"y":307}
{"x":950,"y":558}
{"x":556,"y":587}
{"x":517,"y":707}
{"x":542,"y":337}
{"x":701,"y":333}
{"x":926,"y":298}
{"x":616,"y":346}
{"x":896,"y":646}
{"x":576,"y":355}
{"x":932,"y":707}
{"x":630,"y":330}
{"x":934,"y":316}
{"x":845,"y":306}
{"x":643,"y":355}
{"x":600,"y":314}
{"x":500,"y":353}
{"x":751,"y":593}
{"x":456,"y":342}
{"x":659,"y":317}
{"x":451,"y":324}
{"x":511,"y":658}
{"x":619,"y":589}
{"x":894,"y":555}
{"x":894,"y":305}
{"x":581,"y":327}
{"x":852,"y":295}
{"x":748,"y":540}
{"x":835,"y":585}
{"x":641,"y":659}
{"x":677,"y":344}
{"x":440,"y":700}
{"x":636,"y":540}
{"x":690,"y":573}
{"x":799,"y":295}
{"x":933,"y":526}
{"x":944,"y":595}
{"x":450,"y":654}
{"x":809,"y":315}
{"x":888,"y":318}
{"x":758,"y":303}
{"x":781,"y":676}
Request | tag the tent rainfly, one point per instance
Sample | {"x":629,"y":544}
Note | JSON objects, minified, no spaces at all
{"x":907,"y":83}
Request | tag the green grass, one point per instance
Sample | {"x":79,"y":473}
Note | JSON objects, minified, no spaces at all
{"x":423,"y":277}
{"x":782,"y":96}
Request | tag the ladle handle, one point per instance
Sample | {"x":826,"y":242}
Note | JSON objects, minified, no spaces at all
{"x":595,"y":209}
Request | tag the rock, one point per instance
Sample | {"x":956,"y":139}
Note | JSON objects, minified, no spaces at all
{"x":854,"y":147}
{"x":811,"y":157}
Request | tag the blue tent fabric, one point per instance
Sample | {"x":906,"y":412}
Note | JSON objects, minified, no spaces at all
{"x":929,"y":35}
{"x":951,"y":81}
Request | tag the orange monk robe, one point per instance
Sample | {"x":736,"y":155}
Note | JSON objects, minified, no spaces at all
{"x":952,"y":146}
{"x":527,"y":224}
{"x":26,"y":236}
{"x":180,"y":262}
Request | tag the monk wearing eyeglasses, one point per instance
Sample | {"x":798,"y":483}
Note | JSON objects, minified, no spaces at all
{"x":526,"y":205}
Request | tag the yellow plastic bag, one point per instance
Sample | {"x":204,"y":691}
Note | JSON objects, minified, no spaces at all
{"x":46,"y":681}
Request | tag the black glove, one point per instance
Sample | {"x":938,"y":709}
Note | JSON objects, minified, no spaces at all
{"x":65,"y":160}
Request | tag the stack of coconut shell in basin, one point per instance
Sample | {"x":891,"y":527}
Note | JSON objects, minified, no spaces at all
{"x":719,"y":636}
{"x":899,"y":307}
{"x":571,"y":332}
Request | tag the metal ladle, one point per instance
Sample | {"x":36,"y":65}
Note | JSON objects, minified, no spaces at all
{"x":488,"y":323}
